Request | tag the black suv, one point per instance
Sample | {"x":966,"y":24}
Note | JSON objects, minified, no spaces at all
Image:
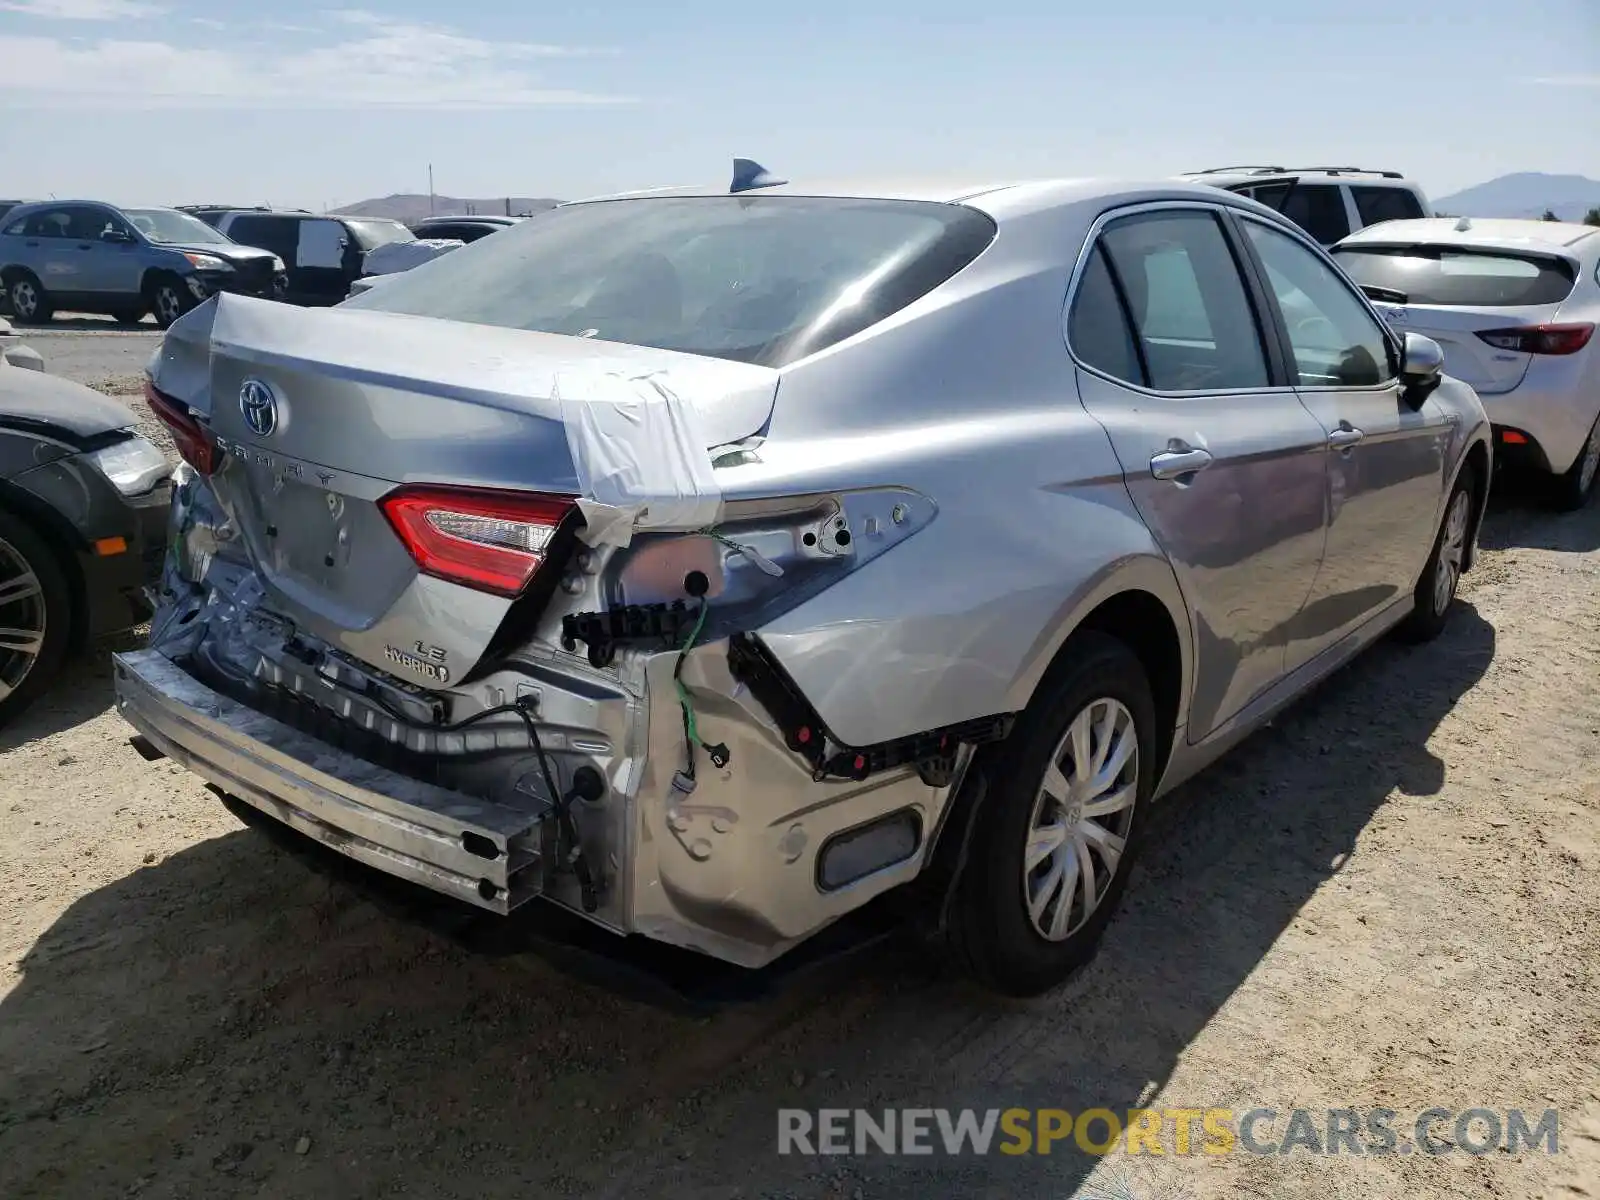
{"x":322,"y":253}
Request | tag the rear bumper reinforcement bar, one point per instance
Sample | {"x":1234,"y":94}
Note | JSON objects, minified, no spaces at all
{"x":485,"y":854}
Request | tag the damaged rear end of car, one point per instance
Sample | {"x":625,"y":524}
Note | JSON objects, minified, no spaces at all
{"x":465,"y":603}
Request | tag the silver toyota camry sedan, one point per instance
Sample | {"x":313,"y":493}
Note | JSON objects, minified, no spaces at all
{"x":711,"y":561}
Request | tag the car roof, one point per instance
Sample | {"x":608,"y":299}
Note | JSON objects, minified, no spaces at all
{"x":1497,"y":232}
{"x":997,"y":198}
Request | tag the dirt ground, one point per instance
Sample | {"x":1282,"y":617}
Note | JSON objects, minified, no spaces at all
{"x":1389,"y":898}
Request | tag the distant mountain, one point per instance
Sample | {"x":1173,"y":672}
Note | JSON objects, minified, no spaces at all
{"x":409,"y":207}
{"x":1527,"y":194}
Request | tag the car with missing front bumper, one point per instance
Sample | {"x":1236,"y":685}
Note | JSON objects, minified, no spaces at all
{"x":713,"y":561}
{"x":83,"y":525}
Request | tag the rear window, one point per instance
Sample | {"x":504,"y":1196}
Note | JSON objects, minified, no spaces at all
{"x":759,"y":279}
{"x":1375,"y":204}
{"x":370,"y":233}
{"x":1448,"y":275}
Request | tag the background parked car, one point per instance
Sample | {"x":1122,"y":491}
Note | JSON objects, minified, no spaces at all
{"x":324,"y":254}
{"x":1327,"y":202}
{"x":1514,"y":306}
{"x":462,"y":228}
{"x":87,"y":256}
{"x":83,"y":517}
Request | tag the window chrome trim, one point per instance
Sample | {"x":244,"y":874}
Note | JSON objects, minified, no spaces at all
{"x":1318,"y":250}
{"x":1075,"y":280}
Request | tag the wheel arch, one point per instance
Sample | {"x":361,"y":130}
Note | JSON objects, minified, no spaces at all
{"x":1479,"y":458}
{"x":1136,"y":601}
{"x":59,"y":538}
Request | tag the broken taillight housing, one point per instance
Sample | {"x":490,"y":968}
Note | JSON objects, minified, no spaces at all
{"x":192,"y":440}
{"x":490,"y":540}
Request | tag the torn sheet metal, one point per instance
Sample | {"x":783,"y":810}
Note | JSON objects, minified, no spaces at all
{"x":640,"y":455}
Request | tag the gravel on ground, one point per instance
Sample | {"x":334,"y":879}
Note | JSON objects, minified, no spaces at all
{"x":1390,"y":897}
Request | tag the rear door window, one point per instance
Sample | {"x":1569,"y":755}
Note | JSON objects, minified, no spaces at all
{"x":1196,"y":328}
{"x":1318,"y":208}
{"x":1453,"y":276}
{"x":1375,"y":204}
{"x":1097,"y":329}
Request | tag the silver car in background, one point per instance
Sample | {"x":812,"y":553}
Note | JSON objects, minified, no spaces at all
{"x":1513,"y":304}
{"x":712,"y":561}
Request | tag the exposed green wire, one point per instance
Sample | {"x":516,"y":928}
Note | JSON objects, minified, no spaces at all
{"x":690,"y":727}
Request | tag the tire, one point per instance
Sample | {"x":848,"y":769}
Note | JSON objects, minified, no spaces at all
{"x":1435,"y":595}
{"x":1572,"y":489}
{"x":993,"y":935}
{"x":33,"y":596}
{"x":170,"y":298}
{"x":30,"y":303}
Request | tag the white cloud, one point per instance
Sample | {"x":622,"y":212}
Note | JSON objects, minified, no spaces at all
{"x":1578,"y":81}
{"x":383,"y":63}
{"x":82,"y":10}
{"x":207,"y":23}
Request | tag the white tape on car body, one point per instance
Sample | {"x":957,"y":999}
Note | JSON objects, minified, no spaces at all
{"x":639,"y":453}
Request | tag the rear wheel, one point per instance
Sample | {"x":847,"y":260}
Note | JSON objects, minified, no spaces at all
{"x":1057,"y":833}
{"x":1436,"y":589}
{"x":1576,"y":485}
{"x":35,"y":616}
{"x":30,"y":304}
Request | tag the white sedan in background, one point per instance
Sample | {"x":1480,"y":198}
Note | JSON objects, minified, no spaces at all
{"x":1514,"y":304}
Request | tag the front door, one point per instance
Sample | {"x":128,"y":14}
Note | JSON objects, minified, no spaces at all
{"x":1386,"y":460}
{"x":1223,"y":462}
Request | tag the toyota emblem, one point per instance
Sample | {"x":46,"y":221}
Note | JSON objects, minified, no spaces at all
{"x":259,"y":406}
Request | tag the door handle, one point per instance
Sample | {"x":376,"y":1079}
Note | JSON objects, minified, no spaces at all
{"x":1345,"y":436}
{"x":1178,"y":460}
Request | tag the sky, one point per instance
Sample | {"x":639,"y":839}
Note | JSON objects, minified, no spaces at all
{"x":304,"y":103}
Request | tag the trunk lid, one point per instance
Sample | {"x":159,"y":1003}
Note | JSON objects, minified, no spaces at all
{"x":363,"y":402}
{"x":1467,"y":357}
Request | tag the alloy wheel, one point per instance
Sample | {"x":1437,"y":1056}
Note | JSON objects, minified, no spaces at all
{"x":169,"y":306}
{"x":22,"y":618}
{"x":1452,"y":553}
{"x":24,"y":299}
{"x":1081,"y":819}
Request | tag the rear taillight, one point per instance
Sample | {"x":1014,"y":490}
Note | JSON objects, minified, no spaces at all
{"x":493,"y":541}
{"x":1541,"y":339}
{"x":194,"y":443}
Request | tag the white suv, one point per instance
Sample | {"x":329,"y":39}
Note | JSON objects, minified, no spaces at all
{"x":1329,"y":203}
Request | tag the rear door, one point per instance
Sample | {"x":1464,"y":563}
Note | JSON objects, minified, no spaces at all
{"x":322,"y":254}
{"x":1223,"y":462}
{"x":50,"y":253}
{"x":1458,"y":294}
{"x":1386,"y":462}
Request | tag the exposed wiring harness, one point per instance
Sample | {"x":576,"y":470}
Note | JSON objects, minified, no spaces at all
{"x":684,"y":780}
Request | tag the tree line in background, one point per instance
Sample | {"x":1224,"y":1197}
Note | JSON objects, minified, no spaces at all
{"x":1592,"y":217}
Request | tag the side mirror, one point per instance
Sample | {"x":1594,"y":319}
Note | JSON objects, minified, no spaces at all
{"x":1421,"y":368}
{"x":116,"y":236}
